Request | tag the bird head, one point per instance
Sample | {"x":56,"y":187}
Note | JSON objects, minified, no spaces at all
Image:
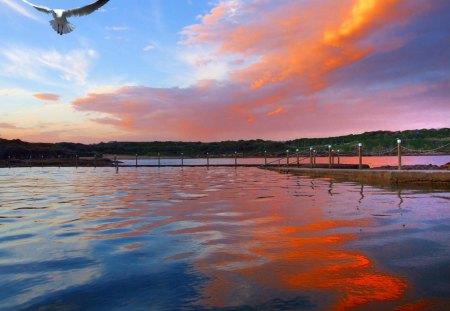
{"x":58,"y":13}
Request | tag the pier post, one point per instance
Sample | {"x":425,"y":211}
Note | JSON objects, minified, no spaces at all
{"x":182,"y":159}
{"x":116,"y":164}
{"x":332,"y":156}
{"x":399,"y":153}
{"x":287,"y":158}
{"x":314,"y":157}
{"x":298,"y":159}
{"x":136,"y":160}
{"x":159,"y":159}
{"x":311,"y":157}
{"x":329,"y":156}
{"x":265,"y":158}
{"x":360,"y":155}
{"x":42,"y":161}
{"x":235,"y":158}
{"x":338,"y":155}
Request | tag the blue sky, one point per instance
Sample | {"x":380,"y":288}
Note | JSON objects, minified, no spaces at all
{"x":230,"y":69}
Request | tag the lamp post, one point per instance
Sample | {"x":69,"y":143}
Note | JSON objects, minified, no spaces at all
{"x":360,"y":155}
{"x":298,"y":159}
{"x":332,"y":156}
{"x":399,"y":152}
{"x":235,"y":158}
{"x":339,"y":159}
{"x":311,"y":156}
{"x":314,"y":157}
{"x":207,"y":159}
{"x":329,"y":156}
{"x":265,"y":157}
{"x":287,"y":158}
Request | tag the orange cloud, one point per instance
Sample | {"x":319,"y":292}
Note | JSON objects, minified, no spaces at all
{"x":47,"y":96}
{"x":275,"y":112}
{"x":294,"y":41}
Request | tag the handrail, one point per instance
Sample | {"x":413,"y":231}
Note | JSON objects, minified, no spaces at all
{"x":279,"y":159}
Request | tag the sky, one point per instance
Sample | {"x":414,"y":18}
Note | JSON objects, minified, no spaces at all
{"x":201,"y":70}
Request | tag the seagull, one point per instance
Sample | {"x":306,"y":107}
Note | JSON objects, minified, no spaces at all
{"x":60,"y":23}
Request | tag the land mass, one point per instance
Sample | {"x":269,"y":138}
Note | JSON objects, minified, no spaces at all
{"x":414,"y":142}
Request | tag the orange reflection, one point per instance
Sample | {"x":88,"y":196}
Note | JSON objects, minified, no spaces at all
{"x":247,"y":235}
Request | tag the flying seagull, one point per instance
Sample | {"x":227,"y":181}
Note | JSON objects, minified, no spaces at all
{"x":59,"y":22}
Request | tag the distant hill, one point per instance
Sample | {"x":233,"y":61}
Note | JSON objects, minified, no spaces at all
{"x":425,"y":141}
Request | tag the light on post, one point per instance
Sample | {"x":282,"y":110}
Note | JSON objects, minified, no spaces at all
{"x":360,"y":155}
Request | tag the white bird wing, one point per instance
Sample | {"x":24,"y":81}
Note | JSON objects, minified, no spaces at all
{"x":85,"y":10}
{"x":39,"y":7}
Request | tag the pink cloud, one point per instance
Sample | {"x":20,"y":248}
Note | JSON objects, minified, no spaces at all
{"x":230,"y":111}
{"x":10,"y":126}
{"x":47,"y":96}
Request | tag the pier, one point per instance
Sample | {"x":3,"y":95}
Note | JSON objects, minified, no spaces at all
{"x":374,"y":176}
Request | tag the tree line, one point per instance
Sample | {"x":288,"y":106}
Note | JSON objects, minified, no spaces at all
{"x":374,"y":143}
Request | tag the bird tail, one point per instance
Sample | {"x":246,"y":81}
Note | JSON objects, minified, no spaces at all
{"x":62,"y":29}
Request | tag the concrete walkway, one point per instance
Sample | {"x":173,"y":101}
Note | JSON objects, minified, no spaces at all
{"x":441,"y":178}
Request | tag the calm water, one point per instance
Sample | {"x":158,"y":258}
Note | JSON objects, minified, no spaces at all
{"x":223,"y":238}
{"x":372,"y":161}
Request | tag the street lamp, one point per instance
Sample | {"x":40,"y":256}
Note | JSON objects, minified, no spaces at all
{"x":360,"y":155}
{"x":329,"y":156}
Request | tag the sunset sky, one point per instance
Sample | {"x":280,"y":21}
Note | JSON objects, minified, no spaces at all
{"x":201,"y":70}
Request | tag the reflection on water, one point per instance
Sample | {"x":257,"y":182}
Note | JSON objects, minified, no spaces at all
{"x":371,"y":161}
{"x":194,"y":238}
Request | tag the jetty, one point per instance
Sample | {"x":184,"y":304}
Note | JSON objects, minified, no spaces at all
{"x":374,"y":176}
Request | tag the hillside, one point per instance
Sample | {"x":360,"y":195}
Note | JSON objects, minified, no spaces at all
{"x":425,"y":141}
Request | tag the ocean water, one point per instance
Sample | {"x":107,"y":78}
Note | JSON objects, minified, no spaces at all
{"x":218,"y":239}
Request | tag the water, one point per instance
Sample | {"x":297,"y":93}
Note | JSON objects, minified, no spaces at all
{"x":217,"y":239}
{"x":371,"y":161}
